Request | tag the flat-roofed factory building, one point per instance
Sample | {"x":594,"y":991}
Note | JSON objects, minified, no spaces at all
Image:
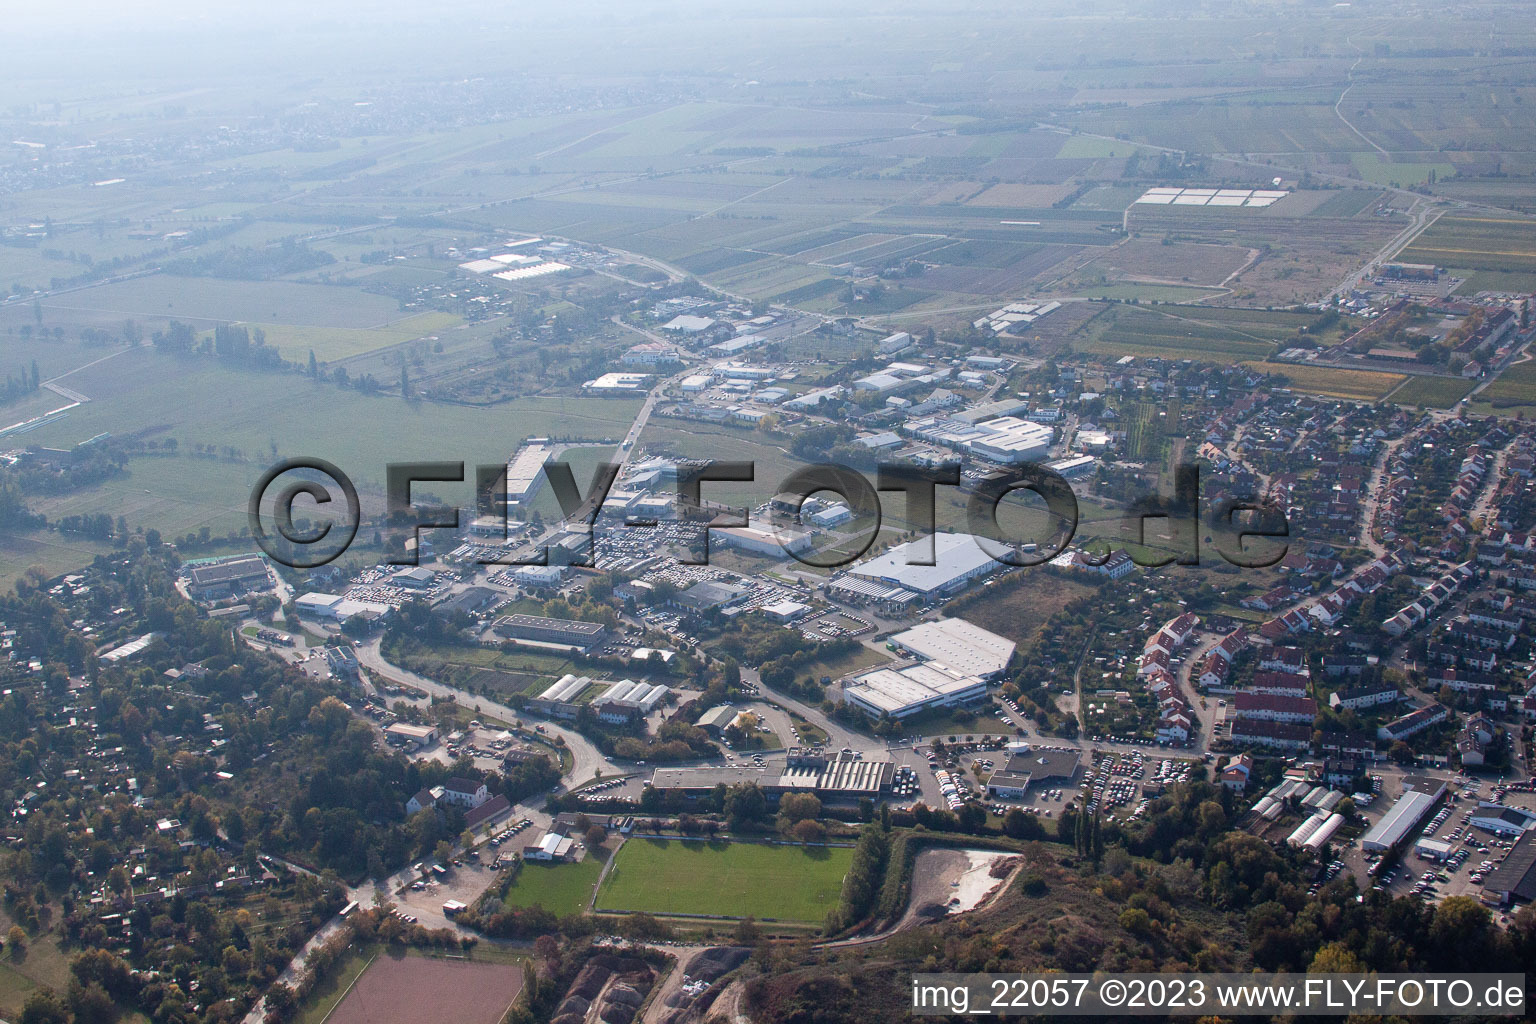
{"x":828,"y":776}
{"x":540,"y":629}
{"x":228,"y":577}
{"x":956,"y":660}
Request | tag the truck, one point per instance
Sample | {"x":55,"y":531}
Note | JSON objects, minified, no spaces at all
{"x":452,"y":907}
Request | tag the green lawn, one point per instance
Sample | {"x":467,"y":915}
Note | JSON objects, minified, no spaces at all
{"x":783,"y":883}
{"x":1379,"y":170}
{"x":562,"y":889}
{"x":1431,"y":392}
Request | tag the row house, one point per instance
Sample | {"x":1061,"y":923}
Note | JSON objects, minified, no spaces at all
{"x":1291,"y":660}
{"x":1369,"y":696}
{"x":1274,"y":708}
{"x":1280,"y":684}
{"x":1413,"y":723}
{"x":1282,"y":735}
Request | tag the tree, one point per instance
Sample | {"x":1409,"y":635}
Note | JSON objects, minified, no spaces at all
{"x":797,"y":807}
{"x":44,"y":1007}
{"x":16,"y":941}
{"x":91,"y":1004}
{"x":745,"y":806}
{"x":809,"y":831}
{"x":1335,"y":958}
{"x":596,"y":836}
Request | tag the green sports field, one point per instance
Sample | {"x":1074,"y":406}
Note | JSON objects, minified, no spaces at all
{"x":562,"y":889}
{"x":784,"y":883}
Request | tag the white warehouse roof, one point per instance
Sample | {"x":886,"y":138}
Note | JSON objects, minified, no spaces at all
{"x":959,"y":645}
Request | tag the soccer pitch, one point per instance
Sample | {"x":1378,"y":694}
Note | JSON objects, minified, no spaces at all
{"x":784,"y":883}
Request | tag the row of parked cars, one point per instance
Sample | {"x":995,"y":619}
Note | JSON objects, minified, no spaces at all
{"x":507,"y":833}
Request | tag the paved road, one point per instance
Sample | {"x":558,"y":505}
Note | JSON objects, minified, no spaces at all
{"x":587,"y":760}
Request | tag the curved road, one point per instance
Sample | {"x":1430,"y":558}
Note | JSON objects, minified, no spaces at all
{"x":587,"y":760}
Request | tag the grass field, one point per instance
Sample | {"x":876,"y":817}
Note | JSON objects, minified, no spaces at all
{"x":1365,"y":385}
{"x":1188,"y":334}
{"x":296,"y":341}
{"x":323,"y":999}
{"x":1378,"y":170}
{"x":562,"y":889}
{"x":1018,"y":605}
{"x":1431,"y":392}
{"x":783,"y":883}
{"x":262,"y":417}
{"x":202,"y":301}
{"x":1515,"y":386}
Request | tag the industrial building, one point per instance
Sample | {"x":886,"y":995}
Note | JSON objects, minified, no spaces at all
{"x":1502,"y":819}
{"x":403,"y":734}
{"x":337,"y":608}
{"x":828,"y":776}
{"x":900,"y":693}
{"x":413,"y":579}
{"x":230,"y":576}
{"x":525,"y":473}
{"x":958,"y":559}
{"x":537,"y":628}
{"x":958,"y":645}
{"x":1398,"y":823}
{"x":627,"y":699}
{"x":1514,"y":879}
{"x":757,"y":541}
{"x":1006,"y":439}
{"x":1025,"y":768}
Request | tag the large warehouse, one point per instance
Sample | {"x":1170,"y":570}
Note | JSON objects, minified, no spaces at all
{"x":958,"y":559}
{"x":567,"y":632}
{"x":525,"y":473}
{"x":959,"y":645}
{"x":1398,"y":823}
{"x":902,"y":692}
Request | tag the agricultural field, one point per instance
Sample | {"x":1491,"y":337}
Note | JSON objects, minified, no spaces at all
{"x":1170,"y":262}
{"x":561,"y":889}
{"x":1189,"y":333}
{"x":412,"y":989}
{"x":1513,"y":392}
{"x":1500,"y":245}
{"x":243,"y":421}
{"x":782,"y":883}
{"x":1431,"y":392}
{"x":1332,"y":382}
{"x":1379,"y":170}
{"x":294,"y":342}
{"x":204,"y":301}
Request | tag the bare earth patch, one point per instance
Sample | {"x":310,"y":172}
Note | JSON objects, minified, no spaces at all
{"x":420,"y":990}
